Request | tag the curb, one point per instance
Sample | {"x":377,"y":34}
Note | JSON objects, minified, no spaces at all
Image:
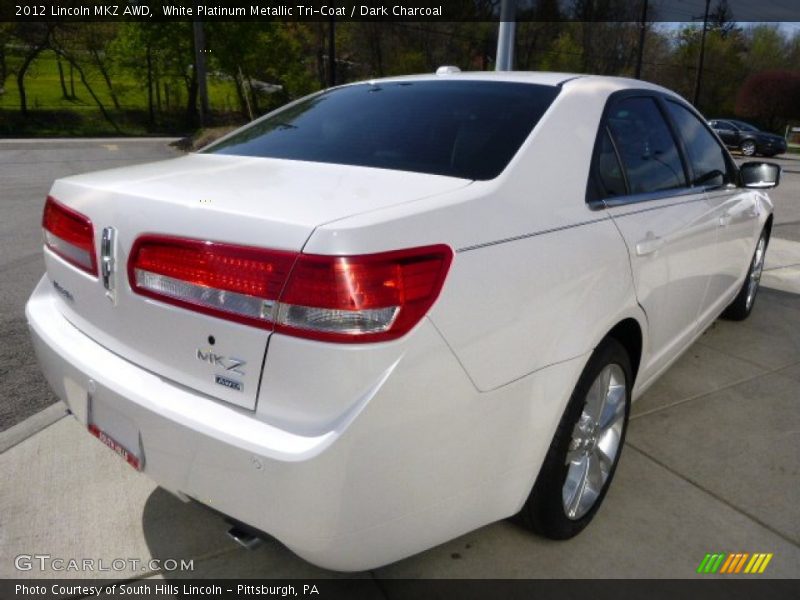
{"x":31,"y":426}
{"x":95,"y":140}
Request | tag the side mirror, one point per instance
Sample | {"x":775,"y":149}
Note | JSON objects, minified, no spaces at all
{"x":759,"y":175}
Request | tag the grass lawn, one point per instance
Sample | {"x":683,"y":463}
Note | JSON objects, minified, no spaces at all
{"x":53,"y":114}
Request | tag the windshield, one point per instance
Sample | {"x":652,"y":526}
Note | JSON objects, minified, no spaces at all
{"x":467,"y":129}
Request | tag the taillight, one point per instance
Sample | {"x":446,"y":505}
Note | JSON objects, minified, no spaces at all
{"x":69,"y":234}
{"x":361,"y":298}
{"x":240,"y":283}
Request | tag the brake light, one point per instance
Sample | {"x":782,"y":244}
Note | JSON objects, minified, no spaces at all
{"x":240,"y":283}
{"x":69,"y":234}
{"x":333,"y":298}
{"x":371,"y":297}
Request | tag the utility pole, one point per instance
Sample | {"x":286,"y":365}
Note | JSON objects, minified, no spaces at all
{"x":505,"y":36}
{"x":642,"y":30}
{"x":702,"y":56}
{"x":332,"y":52}
{"x":200,"y":69}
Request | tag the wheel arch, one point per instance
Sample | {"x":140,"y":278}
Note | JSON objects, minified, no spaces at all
{"x":628,"y":332}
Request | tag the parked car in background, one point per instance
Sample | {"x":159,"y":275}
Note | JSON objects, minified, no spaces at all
{"x":748,"y":139}
{"x":398,"y":310}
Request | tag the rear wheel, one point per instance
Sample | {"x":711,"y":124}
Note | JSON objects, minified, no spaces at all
{"x":748,"y":148}
{"x":742,"y":305}
{"x":583,"y":455}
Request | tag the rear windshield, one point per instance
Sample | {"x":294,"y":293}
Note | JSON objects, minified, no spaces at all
{"x":468,"y":129}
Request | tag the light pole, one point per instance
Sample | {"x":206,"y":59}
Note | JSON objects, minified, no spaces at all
{"x":642,"y":30}
{"x":505,"y":36}
{"x":700,"y":60}
{"x":200,"y":69}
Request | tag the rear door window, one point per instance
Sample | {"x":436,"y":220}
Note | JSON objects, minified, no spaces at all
{"x":647,"y":150}
{"x":607,"y":178}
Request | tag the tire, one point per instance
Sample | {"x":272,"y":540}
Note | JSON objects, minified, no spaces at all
{"x":558,"y":507}
{"x":748,"y":148}
{"x":742,"y":305}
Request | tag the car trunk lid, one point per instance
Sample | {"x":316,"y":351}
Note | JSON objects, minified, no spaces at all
{"x":255,"y":202}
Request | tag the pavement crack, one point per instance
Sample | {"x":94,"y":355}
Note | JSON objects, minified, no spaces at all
{"x":742,"y":358}
{"x":717,"y":497}
{"x":701,"y":395}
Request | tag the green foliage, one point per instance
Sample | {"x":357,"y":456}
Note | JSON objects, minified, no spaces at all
{"x":139,"y":76}
{"x":566,"y":54}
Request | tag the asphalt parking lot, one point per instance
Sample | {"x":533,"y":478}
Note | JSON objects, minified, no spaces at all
{"x":712,"y":461}
{"x":27,"y":170}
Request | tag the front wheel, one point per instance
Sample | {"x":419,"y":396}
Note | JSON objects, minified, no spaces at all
{"x":585,"y":450}
{"x":742,"y":305}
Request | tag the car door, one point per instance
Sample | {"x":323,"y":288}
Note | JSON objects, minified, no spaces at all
{"x":734,"y":209}
{"x":666,"y":223}
{"x":726,"y":132}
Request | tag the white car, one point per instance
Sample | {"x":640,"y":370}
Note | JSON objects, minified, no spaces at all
{"x":395,"y":311}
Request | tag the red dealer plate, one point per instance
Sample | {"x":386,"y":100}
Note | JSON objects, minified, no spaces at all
{"x":128,"y":456}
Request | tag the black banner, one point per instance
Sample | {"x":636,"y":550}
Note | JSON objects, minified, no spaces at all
{"x":394,"y":10}
{"x":400,"y":589}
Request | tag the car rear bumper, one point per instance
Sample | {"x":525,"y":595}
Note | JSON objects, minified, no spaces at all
{"x":427,"y":458}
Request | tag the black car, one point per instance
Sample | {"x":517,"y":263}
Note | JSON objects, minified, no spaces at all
{"x":749,"y":139}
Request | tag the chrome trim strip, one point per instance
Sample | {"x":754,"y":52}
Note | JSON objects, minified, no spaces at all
{"x":529,"y":235}
{"x":649,"y":196}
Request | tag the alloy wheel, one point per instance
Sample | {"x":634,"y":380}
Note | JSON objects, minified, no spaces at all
{"x":755,"y":271}
{"x":595,"y":442}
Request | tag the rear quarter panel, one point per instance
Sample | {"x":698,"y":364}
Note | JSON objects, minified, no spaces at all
{"x":538,"y":277}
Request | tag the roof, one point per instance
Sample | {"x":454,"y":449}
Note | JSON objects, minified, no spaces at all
{"x":578,"y":80}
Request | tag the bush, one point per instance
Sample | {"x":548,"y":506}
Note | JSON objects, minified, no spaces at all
{"x":770,"y":97}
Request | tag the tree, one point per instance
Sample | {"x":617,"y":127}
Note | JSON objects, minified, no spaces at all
{"x":770,"y":97}
{"x":65,"y":41}
{"x":768,"y":48}
{"x":262,"y":51}
{"x":722,"y":71}
{"x":34,"y":38}
{"x":95,"y":39}
{"x":5,"y":38}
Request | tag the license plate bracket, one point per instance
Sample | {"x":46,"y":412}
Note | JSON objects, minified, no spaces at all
{"x":114,"y":428}
{"x":120,"y":450}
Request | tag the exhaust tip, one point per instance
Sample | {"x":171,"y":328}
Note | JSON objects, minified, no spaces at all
{"x":244,"y":538}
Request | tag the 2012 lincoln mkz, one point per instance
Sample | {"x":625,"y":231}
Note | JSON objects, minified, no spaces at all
{"x":394,"y":311}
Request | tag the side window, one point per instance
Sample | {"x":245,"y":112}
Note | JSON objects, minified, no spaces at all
{"x":607,"y":176}
{"x":645,"y":145}
{"x":706,"y":156}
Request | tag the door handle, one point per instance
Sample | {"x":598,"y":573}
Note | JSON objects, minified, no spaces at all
{"x":650,"y":244}
{"x":725,"y":220}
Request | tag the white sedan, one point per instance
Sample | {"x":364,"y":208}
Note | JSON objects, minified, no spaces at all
{"x":395,"y":311}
